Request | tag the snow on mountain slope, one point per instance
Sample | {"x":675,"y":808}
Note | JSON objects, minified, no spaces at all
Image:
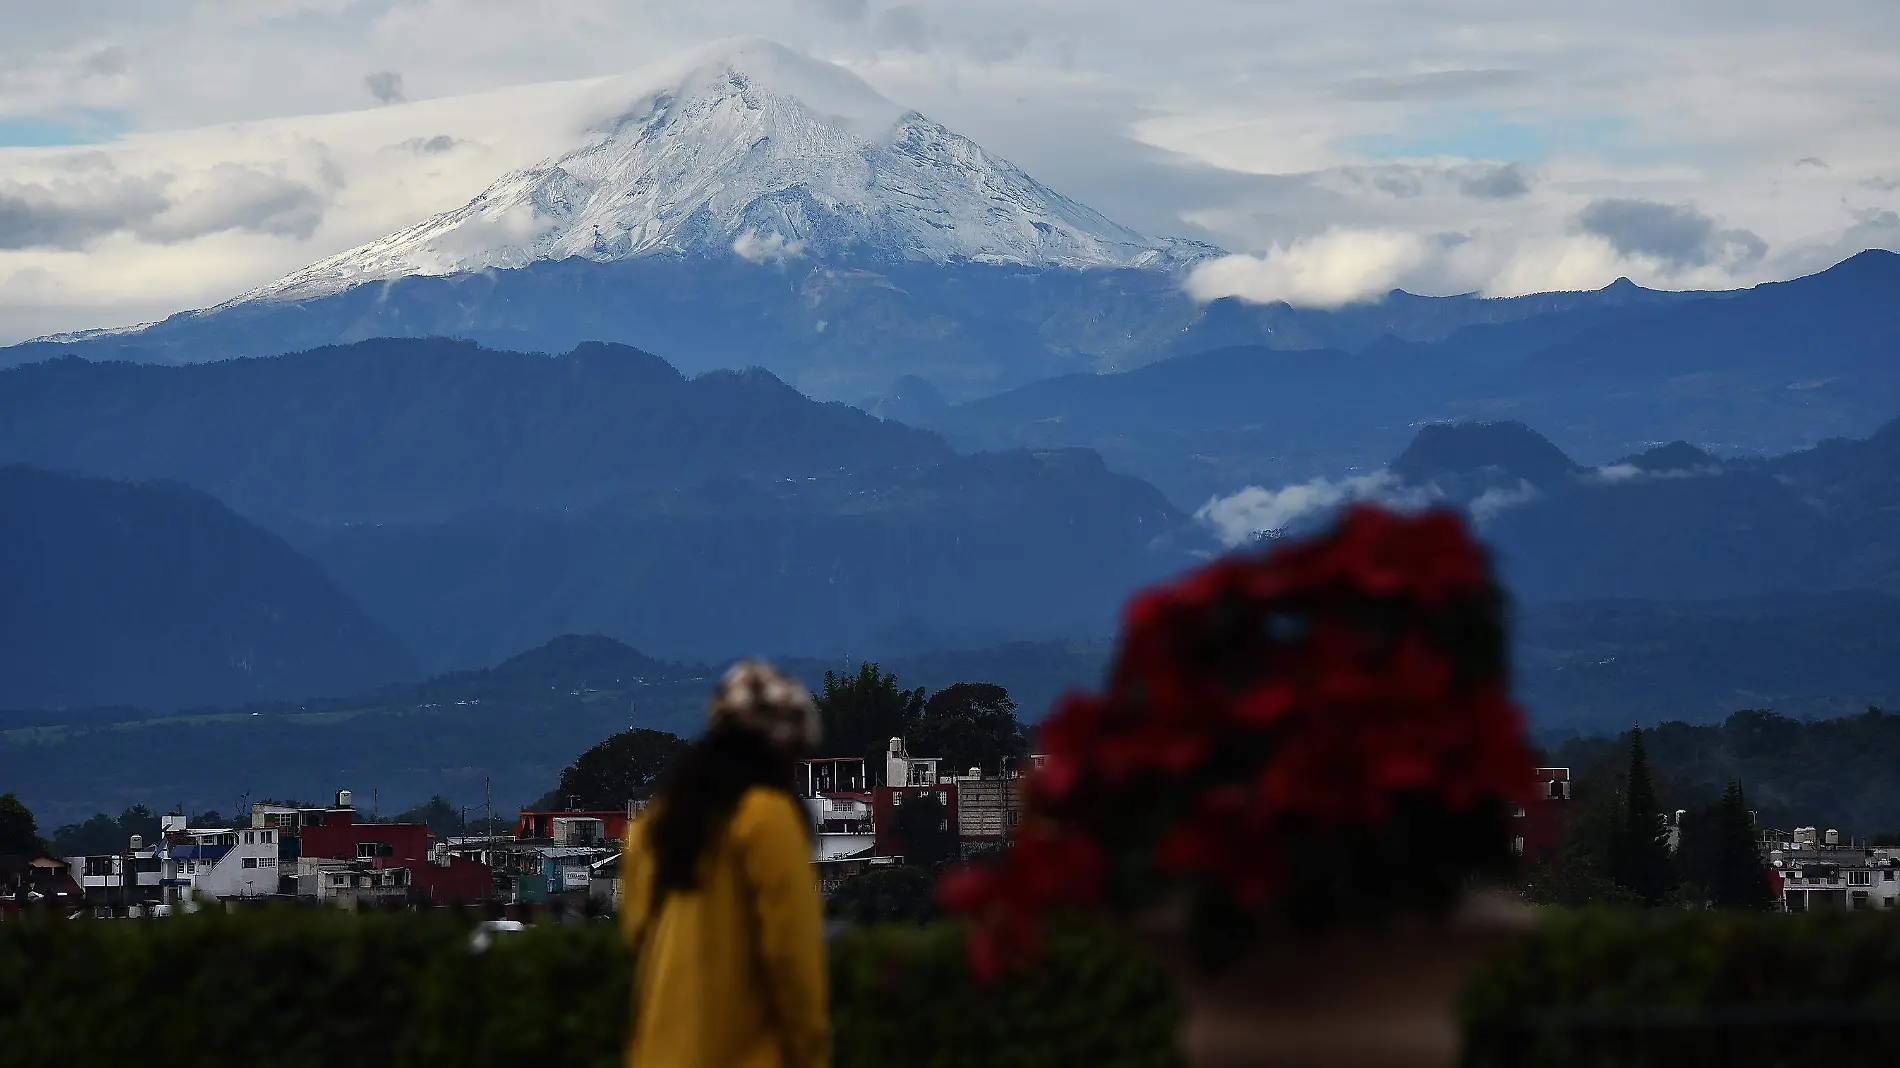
{"x":748,"y":148}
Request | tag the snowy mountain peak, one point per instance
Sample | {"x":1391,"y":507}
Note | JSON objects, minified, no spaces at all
{"x":748,"y":148}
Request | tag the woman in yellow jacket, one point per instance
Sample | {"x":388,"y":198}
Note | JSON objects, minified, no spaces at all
{"x":719,"y":898}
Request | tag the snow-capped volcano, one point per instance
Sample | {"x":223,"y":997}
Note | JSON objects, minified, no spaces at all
{"x":751,"y":149}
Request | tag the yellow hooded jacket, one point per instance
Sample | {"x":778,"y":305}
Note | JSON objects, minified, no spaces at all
{"x":732,"y":975}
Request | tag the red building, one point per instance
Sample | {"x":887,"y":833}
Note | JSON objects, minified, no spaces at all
{"x":450,"y":881}
{"x":33,"y":880}
{"x":453,"y":880}
{"x":1539,"y":828}
{"x":888,"y":801}
{"x":565,"y":827}
{"x":340,"y":837}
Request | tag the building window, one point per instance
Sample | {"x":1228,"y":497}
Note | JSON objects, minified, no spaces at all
{"x":250,"y":862}
{"x":339,"y":880}
{"x":1860,"y":878}
{"x":1887,"y":876}
{"x":1517,"y":845}
{"x":366,"y":849}
{"x":1518,"y":812}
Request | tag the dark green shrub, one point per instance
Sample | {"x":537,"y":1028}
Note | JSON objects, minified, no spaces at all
{"x":304,"y":987}
{"x":904,"y":894}
{"x":296,"y":987}
{"x":905,"y":996}
{"x":1637,"y":987}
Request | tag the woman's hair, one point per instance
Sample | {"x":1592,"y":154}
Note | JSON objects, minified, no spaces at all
{"x":759,"y":722}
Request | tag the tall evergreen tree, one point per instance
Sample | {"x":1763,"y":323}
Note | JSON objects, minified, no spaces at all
{"x":1737,"y":879}
{"x":1640,"y":852}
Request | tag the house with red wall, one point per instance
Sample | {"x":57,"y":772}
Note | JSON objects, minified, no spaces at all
{"x":888,"y":801}
{"x":1539,"y":827}
{"x":444,"y":880}
{"x":574,"y":827}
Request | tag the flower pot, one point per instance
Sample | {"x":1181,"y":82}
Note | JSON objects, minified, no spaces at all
{"x":1351,"y":998}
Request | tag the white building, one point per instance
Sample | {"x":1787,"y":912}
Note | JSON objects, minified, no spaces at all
{"x":349,"y":883}
{"x":841,"y":826}
{"x":1820,"y":871}
{"x":903,"y":769}
{"x":120,"y":879}
{"x":217,"y":862}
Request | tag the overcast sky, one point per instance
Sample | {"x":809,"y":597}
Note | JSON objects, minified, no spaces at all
{"x":159,"y":156}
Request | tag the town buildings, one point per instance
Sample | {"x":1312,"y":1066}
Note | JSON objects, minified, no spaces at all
{"x":1814,"y":870}
{"x":34,"y":880}
{"x":329,"y":854}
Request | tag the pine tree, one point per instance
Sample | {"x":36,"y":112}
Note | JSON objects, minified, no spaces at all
{"x":1737,"y":879}
{"x":1639,"y":854}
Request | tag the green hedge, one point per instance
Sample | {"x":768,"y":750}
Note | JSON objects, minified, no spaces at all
{"x":303,"y":987}
{"x":300,"y":987}
{"x":1668,"y":987}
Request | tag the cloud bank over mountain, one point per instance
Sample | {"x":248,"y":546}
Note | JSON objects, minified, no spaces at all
{"x":1342,"y":149}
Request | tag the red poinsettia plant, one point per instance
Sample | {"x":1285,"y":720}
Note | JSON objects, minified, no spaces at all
{"x":1318,"y":733}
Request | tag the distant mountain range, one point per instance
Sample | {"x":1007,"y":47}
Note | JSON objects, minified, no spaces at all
{"x":1039,"y":544}
{"x":1592,"y":668}
{"x":1773,"y":369}
{"x":393,"y":431}
{"x":750,"y":206}
{"x":509,"y":728}
{"x":156,"y":594}
{"x":479,"y":502}
{"x":1671,"y":522}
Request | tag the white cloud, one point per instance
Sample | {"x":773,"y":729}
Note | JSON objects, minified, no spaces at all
{"x":1238,"y":517}
{"x":1327,"y":270}
{"x":766,"y":248}
{"x":1487,"y":505}
{"x":1614,"y":473}
{"x":1272,"y":129}
{"x":1618,"y":473}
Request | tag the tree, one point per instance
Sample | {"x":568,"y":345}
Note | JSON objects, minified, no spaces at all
{"x":1639,"y":854}
{"x":1573,"y":886}
{"x":438,"y":812}
{"x":18,"y":831}
{"x":103,"y":834}
{"x":861,"y":713}
{"x":626,"y":767}
{"x":923,"y":830}
{"x":1737,"y":878}
{"x":970,"y":725}
{"x":1582,"y":875}
{"x":903,"y":894}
